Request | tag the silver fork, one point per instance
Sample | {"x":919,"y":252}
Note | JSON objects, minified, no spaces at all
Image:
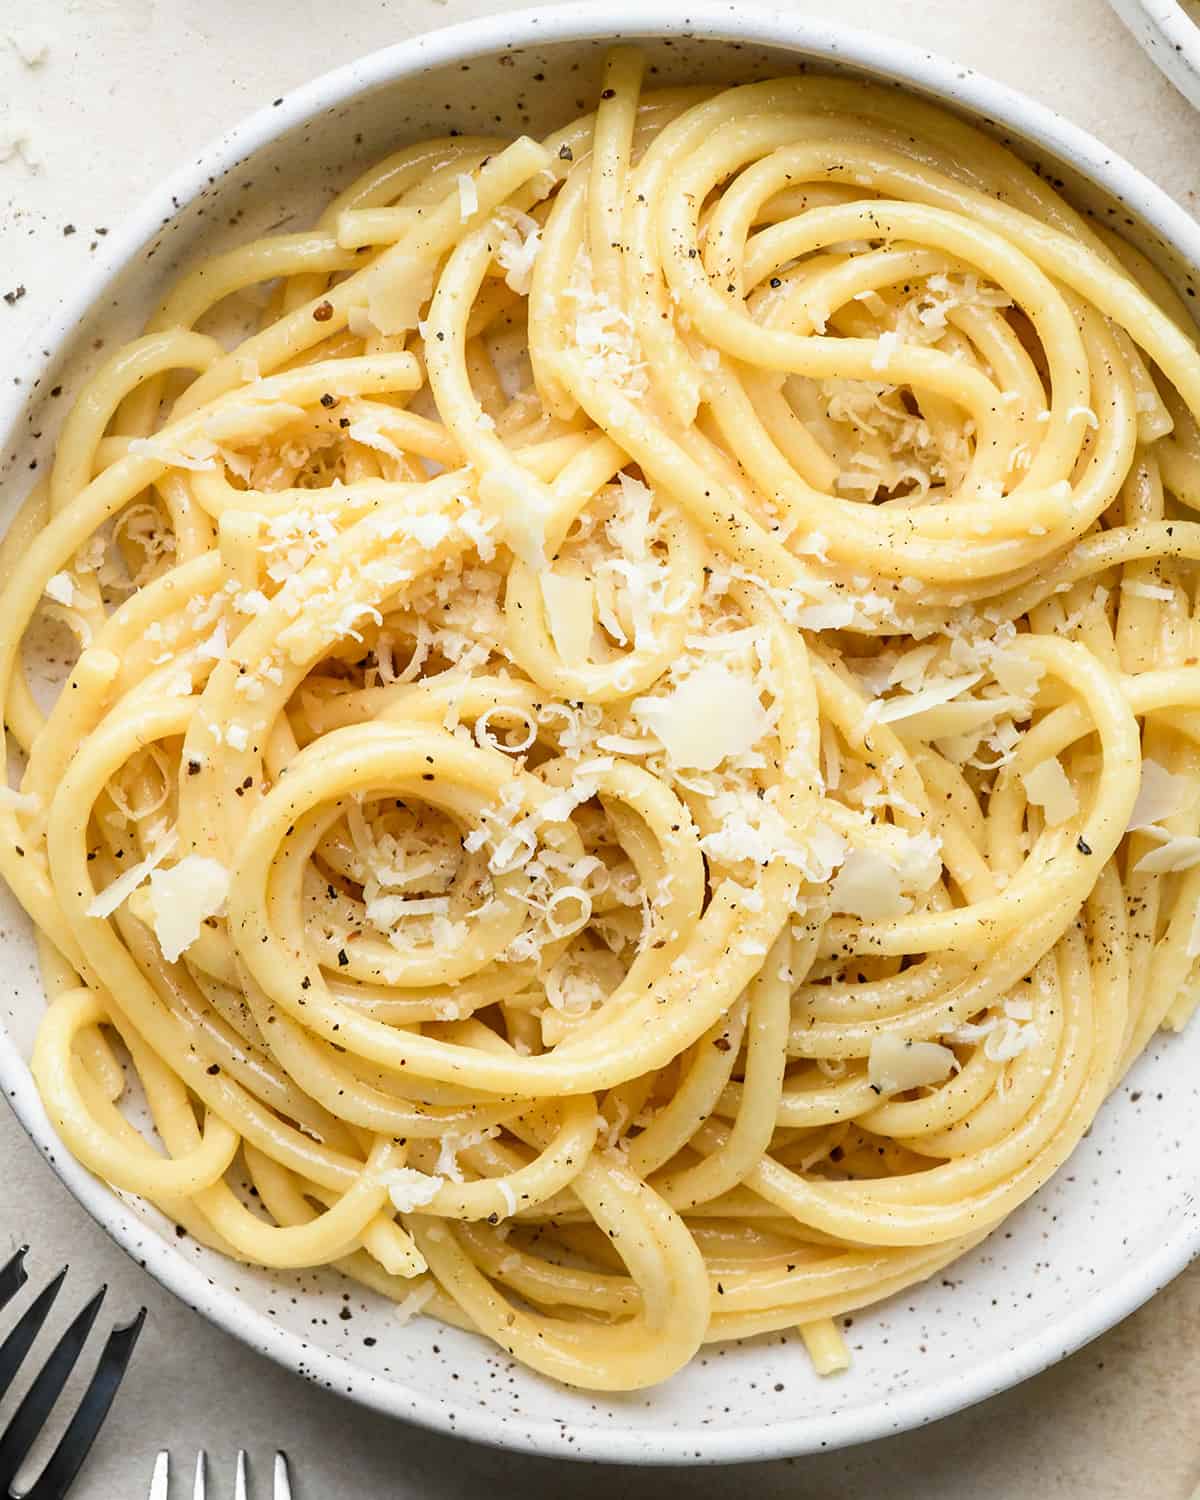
{"x":161,"y":1479}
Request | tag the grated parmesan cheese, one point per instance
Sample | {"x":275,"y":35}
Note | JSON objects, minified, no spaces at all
{"x":410,"y":1190}
{"x":520,"y":241}
{"x":604,"y":334}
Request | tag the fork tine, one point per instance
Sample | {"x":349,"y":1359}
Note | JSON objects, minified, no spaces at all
{"x":161,"y":1478}
{"x":198,"y":1483}
{"x":283,"y":1482}
{"x":74,"y":1445}
{"x":13,"y":1277}
{"x":16,"y":1345}
{"x":239,"y":1478}
{"x":29,"y":1418}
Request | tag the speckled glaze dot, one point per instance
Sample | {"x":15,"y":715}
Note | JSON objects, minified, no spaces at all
{"x":1112,"y":1227}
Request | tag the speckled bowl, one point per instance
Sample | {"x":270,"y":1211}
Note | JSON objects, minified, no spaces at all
{"x":1113,"y":1226}
{"x":1170,"y":38}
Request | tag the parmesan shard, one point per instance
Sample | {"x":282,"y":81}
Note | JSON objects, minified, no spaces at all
{"x":16,"y":801}
{"x":712,"y":715}
{"x":1160,"y":795}
{"x":896,"y":1064}
{"x":905,"y":705}
{"x":468,"y":196}
{"x":868,"y":886}
{"x":416,"y":1301}
{"x":1179,"y":853}
{"x":200,"y":453}
{"x":1047,"y":787}
{"x":184,"y":897}
{"x":410,"y":1189}
{"x":61,"y":588}
{"x":570,"y":601}
{"x":1193,"y":942}
{"x":105,"y":902}
{"x":520,"y":503}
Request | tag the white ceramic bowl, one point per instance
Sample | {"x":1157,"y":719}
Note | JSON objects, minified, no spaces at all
{"x":1117,"y":1223}
{"x":1170,"y":37}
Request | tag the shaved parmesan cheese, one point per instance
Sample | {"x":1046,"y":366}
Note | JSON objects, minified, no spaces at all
{"x":184,"y":897}
{"x":1089,"y":416}
{"x":570,"y":600}
{"x":358,"y":322}
{"x":19,"y":801}
{"x":366,"y":432}
{"x":416,"y":1301}
{"x":521,"y":504}
{"x":896,"y":1064}
{"x":1008,"y":1039}
{"x":199,"y":454}
{"x":711,"y":715}
{"x":409,"y":1189}
{"x":833,"y":614}
{"x":217,"y":645}
{"x":250,"y":421}
{"x":1161,"y":795}
{"x":1193,"y":942}
{"x":1015,"y":672}
{"x":384,"y":912}
{"x":237,"y":737}
{"x":868,"y":886}
{"x":1179,"y":853}
{"x":105,"y":902}
{"x":396,"y":296}
{"x":1047,"y":787}
{"x":1142,"y":590}
{"x":61,"y":588}
{"x":468,"y":195}
{"x":904,"y":705}
{"x":451,"y":1145}
{"x":910,"y":669}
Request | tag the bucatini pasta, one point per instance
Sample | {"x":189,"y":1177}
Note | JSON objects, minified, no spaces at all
{"x":631,"y":762}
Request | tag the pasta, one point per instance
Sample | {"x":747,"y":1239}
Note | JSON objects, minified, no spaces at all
{"x":629,"y":774}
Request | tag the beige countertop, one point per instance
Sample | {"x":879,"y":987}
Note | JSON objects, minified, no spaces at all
{"x":125,"y":91}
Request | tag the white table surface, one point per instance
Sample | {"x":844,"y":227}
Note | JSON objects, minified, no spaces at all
{"x":126,"y":90}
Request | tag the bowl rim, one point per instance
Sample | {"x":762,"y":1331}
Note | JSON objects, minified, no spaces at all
{"x":893,"y":62}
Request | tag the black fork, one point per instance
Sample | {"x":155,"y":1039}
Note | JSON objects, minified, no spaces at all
{"x":30,"y":1417}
